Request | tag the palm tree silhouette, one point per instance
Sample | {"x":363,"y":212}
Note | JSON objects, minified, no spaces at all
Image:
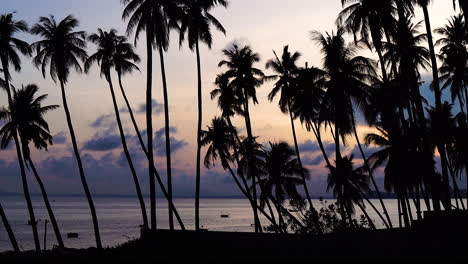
{"x":9,"y":231}
{"x":464,"y":8}
{"x":286,"y":72}
{"x":348,"y":184}
{"x":453,"y":54}
{"x":195,"y":22}
{"x":32,"y":127}
{"x":10,"y":46}
{"x":150,"y":17}
{"x":106,"y":43}
{"x":283,"y":173}
{"x":245,"y":78}
{"x":62,"y":49}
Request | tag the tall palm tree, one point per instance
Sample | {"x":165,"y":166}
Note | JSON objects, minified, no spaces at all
{"x":62,"y":49}
{"x":245,"y":78}
{"x":152,"y":16}
{"x":10,"y":47}
{"x":32,"y":127}
{"x":195,"y":22}
{"x":107,"y":43}
{"x":454,"y":57}
{"x":286,"y":72}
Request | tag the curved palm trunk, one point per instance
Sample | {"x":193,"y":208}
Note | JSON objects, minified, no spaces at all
{"x":306,"y":189}
{"x":371,"y":176}
{"x":9,"y":231}
{"x":143,"y":147}
{"x":168,"y":139}
{"x":235,"y":138}
{"x":128,"y":156}
{"x":149,"y":122}
{"x":316,"y":131}
{"x":19,"y":154}
{"x":81,"y":170}
{"x":50,"y":212}
{"x":249,"y":153}
{"x":199,"y":129}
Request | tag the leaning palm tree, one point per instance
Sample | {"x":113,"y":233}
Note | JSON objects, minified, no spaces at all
{"x":8,"y":229}
{"x":195,"y":22}
{"x":62,"y":48}
{"x":105,"y":57}
{"x":348,"y":185}
{"x":245,"y":78}
{"x":32,"y":127}
{"x":286,"y":73}
{"x":10,"y":47}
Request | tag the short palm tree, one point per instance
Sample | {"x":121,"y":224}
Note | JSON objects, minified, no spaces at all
{"x":286,"y":73}
{"x":10,"y":48}
{"x":32,"y":127}
{"x":62,"y":48}
{"x":195,"y":22}
{"x":348,"y":184}
{"x":105,"y":57}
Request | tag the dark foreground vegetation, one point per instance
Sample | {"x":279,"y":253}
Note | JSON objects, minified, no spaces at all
{"x":424,"y":242}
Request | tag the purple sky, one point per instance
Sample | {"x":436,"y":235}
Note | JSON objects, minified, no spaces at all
{"x":263,"y":24}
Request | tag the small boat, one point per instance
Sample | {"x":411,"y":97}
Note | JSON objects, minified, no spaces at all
{"x":72,"y":235}
{"x":224,"y":216}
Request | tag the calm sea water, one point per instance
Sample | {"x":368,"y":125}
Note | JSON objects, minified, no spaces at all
{"x":119,"y":218}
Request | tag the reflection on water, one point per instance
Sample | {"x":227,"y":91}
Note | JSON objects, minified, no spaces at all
{"x":120,"y":218}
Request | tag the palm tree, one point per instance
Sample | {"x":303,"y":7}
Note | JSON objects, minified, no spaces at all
{"x":32,"y":127}
{"x":105,"y":57}
{"x":195,"y":22}
{"x":464,"y":8}
{"x":245,"y":78}
{"x":10,"y":46}
{"x":348,"y":185}
{"x":218,"y":138}
{"x":62,"y":49}
{"x":454,"y":57}
{"x":152,"y":16}
{"x":283,"y":173}
{"x":286,"y":72}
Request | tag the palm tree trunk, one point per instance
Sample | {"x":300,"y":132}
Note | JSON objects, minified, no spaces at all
{"x":149,"y":122}
{"x":24,"y":179}
{"x":438,"y":98}
{"x":128,"y":156}
{"x":306,"y":189}
{"x":168,"y":139}
{"x":10,"y":233}
{"x":316,"y":131}
{"x":235,"y":138}
{"x":250,"y":154}
{"x":81,"y":170}
{"x":249,"y":197}
{"x":371,"y":175}
{"x":199,"y":130}
{"x":382,"y":65}
{"x":143,"y":147}
{"x":53,"y":220}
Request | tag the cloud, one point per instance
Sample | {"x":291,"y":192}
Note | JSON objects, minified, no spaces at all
{"x":60,"y":138}
{"x":104,"y":143}
{"x":311,"y":146}
{"x":160,"y":142}
{"x":105,"y":124}
{"x":157,"y":107}
{"x":309,"y":161}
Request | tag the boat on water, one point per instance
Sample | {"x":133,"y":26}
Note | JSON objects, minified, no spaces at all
{"x":72,"y":235}
{"x":224,"y":216}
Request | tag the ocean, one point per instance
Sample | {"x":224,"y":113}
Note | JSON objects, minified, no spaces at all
{"x":120,"y":218}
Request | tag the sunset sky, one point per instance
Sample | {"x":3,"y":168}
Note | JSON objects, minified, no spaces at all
{"x":265,"y":25}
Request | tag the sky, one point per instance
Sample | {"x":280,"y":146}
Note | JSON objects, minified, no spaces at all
{"x":265,"y":25}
